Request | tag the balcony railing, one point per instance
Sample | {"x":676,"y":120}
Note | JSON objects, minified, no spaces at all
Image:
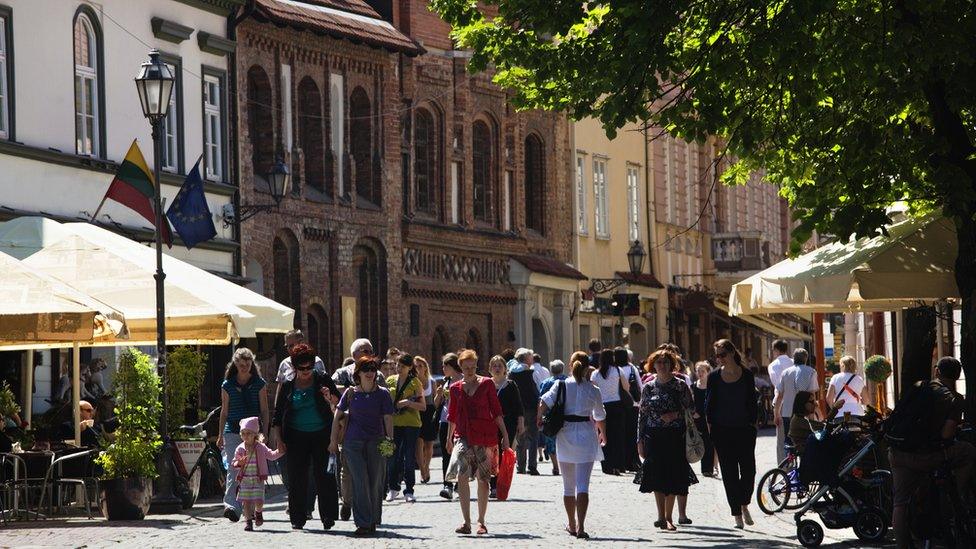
{"x":742,"y":251}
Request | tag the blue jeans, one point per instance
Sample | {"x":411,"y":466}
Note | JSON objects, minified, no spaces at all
{"x":231,"y":442}
{"x":404,"y":460}
{"x":367,"y":471}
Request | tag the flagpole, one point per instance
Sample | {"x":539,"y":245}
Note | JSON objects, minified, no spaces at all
{"x":100,"y":204}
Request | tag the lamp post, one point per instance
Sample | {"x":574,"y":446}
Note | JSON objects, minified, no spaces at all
{"x":635,"y":262}
{"x":279,"y":184}
{"x":155,"y":86}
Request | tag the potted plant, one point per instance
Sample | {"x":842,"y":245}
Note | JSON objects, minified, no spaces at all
{"x":186,"y":368}
{"x":877,"y":369}
{"x":129,"y":463}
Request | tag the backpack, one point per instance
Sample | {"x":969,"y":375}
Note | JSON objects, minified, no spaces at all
{"x":910,"y":426}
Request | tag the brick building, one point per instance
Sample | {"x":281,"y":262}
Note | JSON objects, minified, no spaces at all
{"x":317,"y":86}
{"x":487,"y":206}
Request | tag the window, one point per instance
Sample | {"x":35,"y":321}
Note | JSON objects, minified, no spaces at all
{"x":310,"y":133}
{"x":580,"y":195}
{"x":670,"y":200}
{"x":260,"y":123}
{"x":369,"y":267}
{"x":691,"y":155}
{"x":633,"y":204}
{"x":455,"y":192}
{"x":87,"y":70}
{"x":172,"y":131}
{"x":287,"y":282}
{"x":600,"y":192}
{"x":481,"y":164}
{"x":337,"y":109}
{"x":5,"y":80}
{"x":361,"y":146}
{"x":213,"y":127}
{"x":507,"y":202}
{"x":425,"y":164}
{"x":535,"y":184}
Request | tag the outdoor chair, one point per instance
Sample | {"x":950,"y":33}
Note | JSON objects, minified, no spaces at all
{"x":74,"y":469}
{"x":13,"y":487}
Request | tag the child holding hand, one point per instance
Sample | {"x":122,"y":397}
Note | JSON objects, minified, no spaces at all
{"x":251,"y":459}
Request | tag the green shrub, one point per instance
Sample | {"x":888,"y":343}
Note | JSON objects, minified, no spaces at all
{"x":877,"y":368}
{"x":137,"y":390}
{"x":832,"y":366}
{"x":185,"y":369}
{"x":8,"y":401}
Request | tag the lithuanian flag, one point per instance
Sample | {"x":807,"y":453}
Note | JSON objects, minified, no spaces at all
{"x":133,"y":186}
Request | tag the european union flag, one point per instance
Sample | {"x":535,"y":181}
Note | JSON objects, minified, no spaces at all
{"x":189,"y":212}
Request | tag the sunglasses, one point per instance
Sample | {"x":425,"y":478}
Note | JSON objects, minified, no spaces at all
{"x":367,"y":369}
{"x":723,"y":354}
{"x":304,"y":368}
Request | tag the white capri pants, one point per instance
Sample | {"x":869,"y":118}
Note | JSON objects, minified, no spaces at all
{"x":576,"y":478}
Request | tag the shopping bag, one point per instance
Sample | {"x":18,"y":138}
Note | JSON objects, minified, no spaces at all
{"x":506,"y":469}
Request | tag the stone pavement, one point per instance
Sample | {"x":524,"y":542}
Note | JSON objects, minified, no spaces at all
{"x":619,"y":516}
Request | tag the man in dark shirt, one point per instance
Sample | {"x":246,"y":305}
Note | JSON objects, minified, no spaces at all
{"x":911,"y":468}
{"x":528,"y":444}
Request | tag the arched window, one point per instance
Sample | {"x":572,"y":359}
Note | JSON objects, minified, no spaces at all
{"x":287,"y":279}
{"x":369,"y":266}
{"x":481,"y":148}
{"x":88,"y":73}
{"x":426,"y":165}
{"x":317,"y":331}
{"x":535,"y":184}
{"x":439,"y":346}
{"x":260,"y":123}
{"x":311,"y":134}
{"x":360,"y":145}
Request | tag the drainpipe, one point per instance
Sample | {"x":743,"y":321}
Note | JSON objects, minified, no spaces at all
{"x":651,"y":224}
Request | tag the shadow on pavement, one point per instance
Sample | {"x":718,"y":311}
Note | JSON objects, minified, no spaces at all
{"x":53,"y":524}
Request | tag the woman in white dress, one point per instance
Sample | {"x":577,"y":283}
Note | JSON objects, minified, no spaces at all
{"x":578,"y":444}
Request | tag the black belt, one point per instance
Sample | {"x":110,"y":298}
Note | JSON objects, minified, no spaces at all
{"x":576,"y":419}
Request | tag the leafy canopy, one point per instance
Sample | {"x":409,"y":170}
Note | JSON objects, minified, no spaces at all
{"x":848,"y":105}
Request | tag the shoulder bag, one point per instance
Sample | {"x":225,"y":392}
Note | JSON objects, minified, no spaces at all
{"x":694,"y":444}
{"x":625,"y":397}
{"x":553,"y":419}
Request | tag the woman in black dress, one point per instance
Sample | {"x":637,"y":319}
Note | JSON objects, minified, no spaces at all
{"x":732,"y":408}
{"x":511,"y":401}
{"x":665,"y":471}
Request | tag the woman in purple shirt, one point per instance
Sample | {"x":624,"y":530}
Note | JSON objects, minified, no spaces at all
{"x":368,"y":410}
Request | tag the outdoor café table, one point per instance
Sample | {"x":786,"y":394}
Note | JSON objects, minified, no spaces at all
{"x":36,"y":464}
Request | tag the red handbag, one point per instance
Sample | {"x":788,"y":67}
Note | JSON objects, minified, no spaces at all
{"x":506,"y":470}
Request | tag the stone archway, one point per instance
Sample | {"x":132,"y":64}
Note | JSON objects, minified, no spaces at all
{"x":540,"y":340}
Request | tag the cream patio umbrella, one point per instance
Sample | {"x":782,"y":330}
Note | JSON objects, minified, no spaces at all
{"x":913,"y":262}
{"x":38,"y":311}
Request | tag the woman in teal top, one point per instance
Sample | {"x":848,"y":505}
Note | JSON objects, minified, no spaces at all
{"x":243,"y":394}
{"x":303,"y":422}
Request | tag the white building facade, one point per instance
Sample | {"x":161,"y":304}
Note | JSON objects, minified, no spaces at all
{"x":69,"y":112}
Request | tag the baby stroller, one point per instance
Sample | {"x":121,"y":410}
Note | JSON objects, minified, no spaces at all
{"x":854,"y":491}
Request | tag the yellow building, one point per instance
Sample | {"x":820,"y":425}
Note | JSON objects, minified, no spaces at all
{"x":614,"y":208}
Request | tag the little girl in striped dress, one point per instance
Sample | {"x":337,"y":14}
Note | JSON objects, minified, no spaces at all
{"x":251,"y":459}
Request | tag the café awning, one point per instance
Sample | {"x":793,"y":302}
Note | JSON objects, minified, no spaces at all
{"x":913,"y":262}
{"x":767,"y":325}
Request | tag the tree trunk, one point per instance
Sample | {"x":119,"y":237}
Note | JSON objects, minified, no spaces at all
{"x":916,"y":362}
{"x":966,"y":280}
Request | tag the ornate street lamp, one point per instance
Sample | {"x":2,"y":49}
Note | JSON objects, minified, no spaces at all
{"x":155,"y":86}
{"x":635,"y":257}
{"x":279,"y":185}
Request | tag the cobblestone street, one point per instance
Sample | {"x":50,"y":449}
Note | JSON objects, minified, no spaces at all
{"x":619,"y":516}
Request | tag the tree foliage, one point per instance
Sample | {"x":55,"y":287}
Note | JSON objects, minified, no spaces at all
{"x":137,"y":390}
{"x":185,"y":369}
{"x":847,"y":105}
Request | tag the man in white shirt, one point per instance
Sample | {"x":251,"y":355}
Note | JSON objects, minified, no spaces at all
{"x":781,"y":361}
{"x":539,"y":372}
{"x":796,"y":378}
{"x":285,"y":371}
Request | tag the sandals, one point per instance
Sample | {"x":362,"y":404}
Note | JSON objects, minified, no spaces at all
{"x":463,"y":529}
{"x":582,"y":535}
{"x":570,"y":531}
{"x":482,"y":529}
{"x":258,"y":518}
{"x":685,"y":520}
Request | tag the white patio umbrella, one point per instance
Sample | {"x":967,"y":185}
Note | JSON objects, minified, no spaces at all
{"x":914,"y":262}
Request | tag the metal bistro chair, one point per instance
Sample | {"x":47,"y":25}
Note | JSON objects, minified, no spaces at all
{"x":74,"y":469}
{"x":13,"y":486}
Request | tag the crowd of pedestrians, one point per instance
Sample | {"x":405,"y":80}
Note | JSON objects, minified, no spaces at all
{"x":374,"y":422}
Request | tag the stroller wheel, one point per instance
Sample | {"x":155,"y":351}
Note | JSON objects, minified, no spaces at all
{"x":871,"y":525}
{"x":809,"y":533}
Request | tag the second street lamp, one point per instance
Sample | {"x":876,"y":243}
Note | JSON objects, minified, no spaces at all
{"x":155,"y":86}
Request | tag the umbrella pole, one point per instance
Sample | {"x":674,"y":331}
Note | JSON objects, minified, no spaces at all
{"x":76,"y":390}
{"x":29,"y":387}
